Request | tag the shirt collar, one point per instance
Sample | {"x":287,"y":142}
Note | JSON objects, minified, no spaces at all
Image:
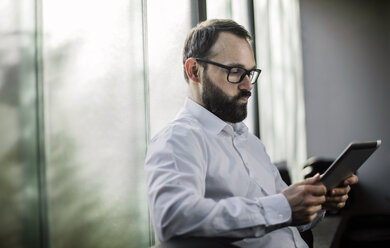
{"x":240,"y":128}
{"x":211,"y":122}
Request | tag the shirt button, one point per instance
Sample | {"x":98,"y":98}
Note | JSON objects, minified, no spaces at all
{"x":280,"y":216}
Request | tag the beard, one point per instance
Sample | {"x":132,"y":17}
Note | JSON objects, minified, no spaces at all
{"x":227,"y":108}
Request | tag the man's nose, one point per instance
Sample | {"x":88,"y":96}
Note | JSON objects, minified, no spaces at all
{"x":245,"y":84}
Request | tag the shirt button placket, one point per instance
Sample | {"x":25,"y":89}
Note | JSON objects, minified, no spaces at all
{"x":236,"y":146}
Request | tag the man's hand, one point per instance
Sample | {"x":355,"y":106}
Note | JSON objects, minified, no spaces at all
{"x":337,"y":197}
{"x":305,"y":200}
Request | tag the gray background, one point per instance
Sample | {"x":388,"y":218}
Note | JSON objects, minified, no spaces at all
{"x":346,"y":77}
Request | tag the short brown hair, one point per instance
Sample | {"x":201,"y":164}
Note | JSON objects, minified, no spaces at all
{"x":201,"y":38}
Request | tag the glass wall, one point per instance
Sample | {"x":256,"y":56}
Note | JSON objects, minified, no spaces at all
{"x":19,"y":176}
{"x":72,"y":124}
{"x":166,"y":35}
{"x":282,"y":109}
{"x":83,"y":86}
{"x":95,"y":123}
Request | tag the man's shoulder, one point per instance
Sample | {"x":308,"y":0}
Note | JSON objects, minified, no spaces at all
{"x":182,"y":127}
{"x":182,"y":139}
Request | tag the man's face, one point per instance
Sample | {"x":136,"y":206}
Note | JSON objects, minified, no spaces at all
{"x":227,"y":108}
{"x":226,"y":100}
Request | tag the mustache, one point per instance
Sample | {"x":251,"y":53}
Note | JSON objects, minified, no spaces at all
{"x":243,"y":93}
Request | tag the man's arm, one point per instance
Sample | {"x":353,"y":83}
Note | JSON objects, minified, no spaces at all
{"x":282,"y":186}
{"x":306,"y":199}
{"x":176,"y":167}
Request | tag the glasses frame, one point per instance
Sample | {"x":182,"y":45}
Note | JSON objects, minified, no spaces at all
{"x":229,"y":68}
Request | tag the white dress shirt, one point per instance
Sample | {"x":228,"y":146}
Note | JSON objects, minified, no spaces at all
{"x":212,"y":179}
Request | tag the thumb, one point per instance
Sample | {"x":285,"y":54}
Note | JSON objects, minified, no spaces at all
{"x":312,"y":180}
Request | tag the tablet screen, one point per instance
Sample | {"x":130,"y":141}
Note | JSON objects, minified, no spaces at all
{"x":348,"y":162}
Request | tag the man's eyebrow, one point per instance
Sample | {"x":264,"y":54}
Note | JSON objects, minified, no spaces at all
{"x":240,"y":66}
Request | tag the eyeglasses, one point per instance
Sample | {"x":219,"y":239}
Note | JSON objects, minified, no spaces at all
{"x":235,"y":74}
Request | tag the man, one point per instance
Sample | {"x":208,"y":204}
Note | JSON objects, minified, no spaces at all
{"x":207,"y":176}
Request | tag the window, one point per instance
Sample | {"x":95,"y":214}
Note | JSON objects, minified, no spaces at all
{"x":94,"y":123}
{"x":166,"y":35}
{"x":85,"y":84}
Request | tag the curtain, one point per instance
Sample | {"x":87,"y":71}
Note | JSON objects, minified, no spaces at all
{"x":280,"y":86}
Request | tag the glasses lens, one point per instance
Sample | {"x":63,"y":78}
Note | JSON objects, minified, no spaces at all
{"x":253,"y":76}
{"x":235,"y":74}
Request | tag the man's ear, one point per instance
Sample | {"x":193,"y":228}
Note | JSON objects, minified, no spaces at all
{"x":192,"y":69}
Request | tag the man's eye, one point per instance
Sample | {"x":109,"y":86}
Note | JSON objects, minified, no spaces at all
{"x":235,"y":71}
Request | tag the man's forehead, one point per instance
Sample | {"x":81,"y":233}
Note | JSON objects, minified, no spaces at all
{"x":231,"y":49}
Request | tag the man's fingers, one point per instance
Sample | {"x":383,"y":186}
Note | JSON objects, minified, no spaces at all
{"x":340,"y":205}
{"x":351,"y":180}
{"x":312,"y":217}
{"x":342,"y":198}
{"x":340,"y":191}
{"x":312,"y":180}
{"x":316,"y":190}
{"x":314,"y":201}
{"x":334,"y":205}
{"x":314,"y":209}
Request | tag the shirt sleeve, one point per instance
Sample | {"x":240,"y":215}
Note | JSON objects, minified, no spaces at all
{"x":176,"y":169}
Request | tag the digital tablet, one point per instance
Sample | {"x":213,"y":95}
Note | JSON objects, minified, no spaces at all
{"x":348,"y":162}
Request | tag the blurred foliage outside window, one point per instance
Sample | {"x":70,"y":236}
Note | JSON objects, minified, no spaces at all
{"x":81,"y":64}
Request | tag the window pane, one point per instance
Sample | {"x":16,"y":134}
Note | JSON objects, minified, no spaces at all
{"x":278,"y":42}
{"x":219,"y":9}
{"x":95,"y":123}
{"x":166,"y":34}
{"x":19,"y":197}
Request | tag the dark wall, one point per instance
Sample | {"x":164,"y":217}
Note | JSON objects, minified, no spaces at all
{"x":346,"y":55}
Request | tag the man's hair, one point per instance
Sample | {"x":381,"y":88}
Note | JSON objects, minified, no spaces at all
{"x":201,"y":38}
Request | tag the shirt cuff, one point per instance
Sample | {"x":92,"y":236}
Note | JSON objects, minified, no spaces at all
{"x":319,"y":218}
{"x":276,"y":210}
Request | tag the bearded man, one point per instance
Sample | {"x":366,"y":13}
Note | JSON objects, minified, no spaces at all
{"x":208,"y":177}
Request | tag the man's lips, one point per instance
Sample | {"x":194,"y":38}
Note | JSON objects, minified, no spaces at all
{"x":244,"y":96}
